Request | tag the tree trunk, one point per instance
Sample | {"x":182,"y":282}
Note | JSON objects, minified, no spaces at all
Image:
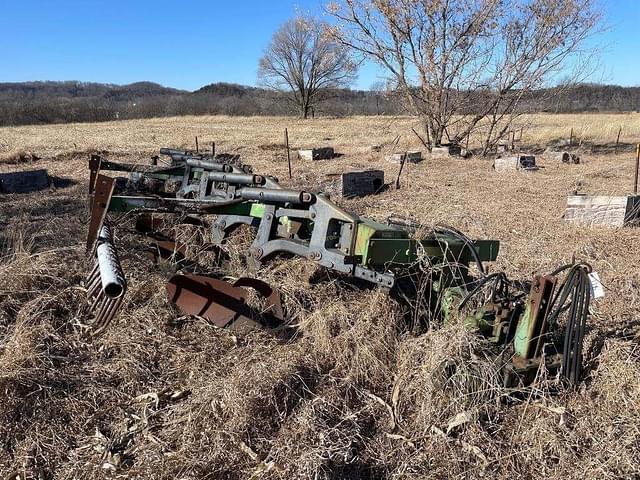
{"x":304,"y":110}
{"x":437,"y":132}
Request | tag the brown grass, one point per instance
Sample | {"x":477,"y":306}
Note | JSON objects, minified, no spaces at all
{"x":352,"y":395}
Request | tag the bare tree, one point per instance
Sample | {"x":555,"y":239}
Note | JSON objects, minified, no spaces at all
{"x":379,"y":89}
{"x":304,"y":59}
{"x":465,"y":65}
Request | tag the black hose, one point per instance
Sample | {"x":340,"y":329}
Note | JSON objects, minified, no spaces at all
{"x":571,"y":265}
{"x":583,"y":312}
{"x":443,"y":229}
{"x":483,"y":281}
{"x":464,"y":239}
{"x":576,"y":290}
{"x":569,"y":337}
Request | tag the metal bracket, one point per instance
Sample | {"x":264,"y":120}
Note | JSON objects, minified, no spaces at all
{"x":224,"y":224}
{"x":532,"y":327}
{"x":94,"y":169}
{"x":99,"y":206}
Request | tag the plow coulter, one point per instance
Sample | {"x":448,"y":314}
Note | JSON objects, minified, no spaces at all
{"x":440,"y":276}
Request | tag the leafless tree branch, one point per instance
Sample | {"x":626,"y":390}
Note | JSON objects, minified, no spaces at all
{"x":460,"y":64}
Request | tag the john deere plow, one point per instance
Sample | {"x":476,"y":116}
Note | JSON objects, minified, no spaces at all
{"x":438,"y":273}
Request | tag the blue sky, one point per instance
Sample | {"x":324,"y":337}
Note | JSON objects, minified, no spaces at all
{"x":190,"y":43}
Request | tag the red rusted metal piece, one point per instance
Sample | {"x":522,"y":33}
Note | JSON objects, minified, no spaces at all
{"x":272,"y":296}
{"x":223,"y":303}
{"x":99,"y":206}
{"x":166,"y":249}
{"x":540,"y":298}
{"x":94,"y":169}
{"x":149,"y":223}
{"x":160,"y":232}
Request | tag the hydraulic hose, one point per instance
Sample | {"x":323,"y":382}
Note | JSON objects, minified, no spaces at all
{"x":574,"y":296}
{"x":496,"y":276}
{"x":464,"y":239}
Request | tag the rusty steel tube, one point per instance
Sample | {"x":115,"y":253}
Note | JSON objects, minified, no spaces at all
{"x":111,"y":277}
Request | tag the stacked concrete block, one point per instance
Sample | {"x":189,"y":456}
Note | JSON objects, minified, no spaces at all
{"x":448,"y":150}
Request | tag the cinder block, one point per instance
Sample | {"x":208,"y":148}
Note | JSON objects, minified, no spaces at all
{"x":439,"y":152}
{"x":503,"y":147}
{"x":515,"y":162}
{"x":567,"y":157}
{"x":447,"y":150}
{"x":324,"y":153}
{"x":361,"y":183}
{"x":414,"y":156}
{"x":613,"y":211}
{"x":454,"y":149}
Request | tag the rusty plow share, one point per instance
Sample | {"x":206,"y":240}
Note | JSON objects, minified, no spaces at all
{"x":225,"y":304}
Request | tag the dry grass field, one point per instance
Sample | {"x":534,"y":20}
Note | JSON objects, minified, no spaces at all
{"x":352,"y":395}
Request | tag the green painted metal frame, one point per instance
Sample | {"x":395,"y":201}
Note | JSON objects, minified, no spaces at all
{"x":381,"y":248}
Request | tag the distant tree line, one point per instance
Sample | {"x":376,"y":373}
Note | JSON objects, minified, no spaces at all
{"x":63,"y":102}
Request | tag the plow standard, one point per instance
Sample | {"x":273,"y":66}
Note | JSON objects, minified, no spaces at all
{"x":438,"y":273}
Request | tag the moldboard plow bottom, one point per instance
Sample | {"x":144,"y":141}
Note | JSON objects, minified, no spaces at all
{"x":437,"y":273}
{"x":224,"y":304}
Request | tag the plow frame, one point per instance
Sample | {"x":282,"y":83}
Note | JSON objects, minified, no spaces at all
{"x":310,"y":225}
